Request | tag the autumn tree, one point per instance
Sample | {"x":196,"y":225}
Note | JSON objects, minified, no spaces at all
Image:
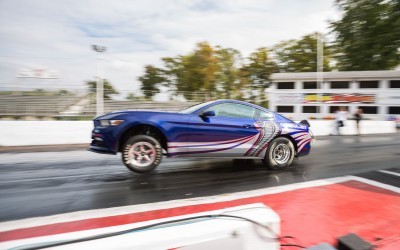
{"x":227,"y":80}
{"x":367,"y":35}
{"x":195,"y":71}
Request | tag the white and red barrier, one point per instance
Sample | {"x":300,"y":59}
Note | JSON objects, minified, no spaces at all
{"x":206,"y":233}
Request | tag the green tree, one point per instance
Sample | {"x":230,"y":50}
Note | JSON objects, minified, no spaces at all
{"x":227,"y":80}
{"x":63,"y":92}
{"x":300,"y":55}
{"x":131,"y":97}
{"x":107,"y":87}
{"x":368,"y":34}
{"x":151,"y":81}
{"x":258,"y":70}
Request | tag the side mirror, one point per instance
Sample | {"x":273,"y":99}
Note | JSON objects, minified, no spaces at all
{"x":208,"y":113}
{"x":305,"y":122}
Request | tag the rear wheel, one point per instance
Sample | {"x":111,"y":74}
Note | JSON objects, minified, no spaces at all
{"x":280,"y":153}
{"x":141,"y":153}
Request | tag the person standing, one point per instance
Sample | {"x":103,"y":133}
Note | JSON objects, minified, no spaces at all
{"x":358,"y":117}
{"x":341,"y":116}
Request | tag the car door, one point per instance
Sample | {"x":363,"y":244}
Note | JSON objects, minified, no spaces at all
{"x":230,"y":133}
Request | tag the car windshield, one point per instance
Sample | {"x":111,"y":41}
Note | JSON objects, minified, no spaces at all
{"x":194,"y":108}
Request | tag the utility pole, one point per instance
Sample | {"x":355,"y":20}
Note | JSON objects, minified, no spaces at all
{"x":320,"y":70}
{"x":100,"y":78}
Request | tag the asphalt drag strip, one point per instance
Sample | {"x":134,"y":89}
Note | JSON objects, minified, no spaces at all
{"x":312,"y":212}
{"x":389,"y":177}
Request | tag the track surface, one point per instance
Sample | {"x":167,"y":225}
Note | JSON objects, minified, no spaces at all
{"x":47,"y":183}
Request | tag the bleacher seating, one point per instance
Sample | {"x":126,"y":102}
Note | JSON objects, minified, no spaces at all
{"x":34,"y":105}
{"x":52,"y":105}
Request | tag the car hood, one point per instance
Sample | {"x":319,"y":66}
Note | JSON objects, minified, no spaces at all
{"x":113,"y":114}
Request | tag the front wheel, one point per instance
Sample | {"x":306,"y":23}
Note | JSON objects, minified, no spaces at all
{"x":141,"y":154}
{"x":280,"y":153}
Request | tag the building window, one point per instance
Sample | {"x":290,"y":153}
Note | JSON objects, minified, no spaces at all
{"x":369,"y":109}
{"x":369,"y":84}
{"x":310,"y":109}
{"x":394,"y":110}
{"x":285,"y":85}
{"x":340,"y":85}
{"x":333,"y":109}
{"x":285,"y":109}
{"x":310,"y":85}
{"x":395,"y":84}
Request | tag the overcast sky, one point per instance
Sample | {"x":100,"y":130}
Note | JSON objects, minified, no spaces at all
{"x":57,"y":34}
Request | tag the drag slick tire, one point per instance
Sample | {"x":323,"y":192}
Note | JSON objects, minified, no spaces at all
{"x":141,"y":154}
{"x":280,"y":153}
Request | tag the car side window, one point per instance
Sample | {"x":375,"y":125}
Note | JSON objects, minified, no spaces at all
{"x":263,"y":115}
{"x":232,"y":110}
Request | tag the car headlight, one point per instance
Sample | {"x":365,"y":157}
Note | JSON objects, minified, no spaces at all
{"x":106,"y":123}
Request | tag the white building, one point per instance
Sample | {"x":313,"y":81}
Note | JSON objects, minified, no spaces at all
{"x":299,"y":96}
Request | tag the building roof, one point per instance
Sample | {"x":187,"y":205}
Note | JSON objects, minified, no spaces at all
{"x":337,"y":75}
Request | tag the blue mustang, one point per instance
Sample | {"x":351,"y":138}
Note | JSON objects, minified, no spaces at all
{"x":222,"y":128}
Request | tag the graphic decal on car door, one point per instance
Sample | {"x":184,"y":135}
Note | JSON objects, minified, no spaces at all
{"x":255,"y":145}
{"x":268,"y":131}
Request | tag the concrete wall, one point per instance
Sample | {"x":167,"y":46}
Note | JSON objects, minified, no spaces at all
{"x":20,"y":133}
{"x":324,"y":127}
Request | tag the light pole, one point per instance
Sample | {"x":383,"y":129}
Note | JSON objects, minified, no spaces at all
{"x":100,"y":79}
{"x":320,"y":70}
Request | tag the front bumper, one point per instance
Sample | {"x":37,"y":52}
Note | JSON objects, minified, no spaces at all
{"x":102,"y":142}
{"x":101,"y":150}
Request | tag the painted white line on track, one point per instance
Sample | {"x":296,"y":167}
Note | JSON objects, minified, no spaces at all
{"x":389,"y":172}
{"x":105,"y":212}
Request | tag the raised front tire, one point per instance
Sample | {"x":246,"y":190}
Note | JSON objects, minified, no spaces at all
{"x":280,"y":153}
{"x":141,"y":153}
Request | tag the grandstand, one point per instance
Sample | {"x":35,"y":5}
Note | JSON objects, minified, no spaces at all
{"x":22,"y":105}
{"x":53,"y":105}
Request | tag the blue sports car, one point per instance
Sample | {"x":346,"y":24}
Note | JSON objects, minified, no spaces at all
{"x":221,"y":128}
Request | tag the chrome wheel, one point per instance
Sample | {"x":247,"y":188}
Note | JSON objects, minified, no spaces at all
{"x":142,"y":154}
{"x":281,"y":153}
